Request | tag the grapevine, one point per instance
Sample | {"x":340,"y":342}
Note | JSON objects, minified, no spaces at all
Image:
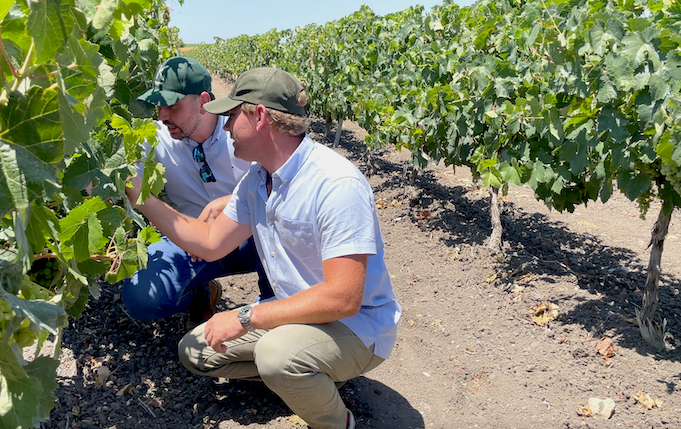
{"x":71,"y":131}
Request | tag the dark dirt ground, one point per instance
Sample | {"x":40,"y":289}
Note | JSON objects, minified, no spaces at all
{"x":468,"y":353}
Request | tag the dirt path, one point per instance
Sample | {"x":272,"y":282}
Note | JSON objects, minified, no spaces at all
{"x":468,"y":354}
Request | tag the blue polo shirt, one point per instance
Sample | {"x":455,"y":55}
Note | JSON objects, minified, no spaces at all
{"x":320,"y":207}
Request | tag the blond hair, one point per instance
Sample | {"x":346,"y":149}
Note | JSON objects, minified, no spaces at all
{"x":285,"y":123}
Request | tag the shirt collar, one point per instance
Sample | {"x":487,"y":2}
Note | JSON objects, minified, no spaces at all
{"x":287,"y":172}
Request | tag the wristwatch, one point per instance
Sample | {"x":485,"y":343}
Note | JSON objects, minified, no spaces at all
{"x":245,"y":318}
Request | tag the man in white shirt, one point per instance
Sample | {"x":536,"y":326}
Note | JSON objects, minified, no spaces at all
{"x":312,"y":214}
{"x":201,"y":173}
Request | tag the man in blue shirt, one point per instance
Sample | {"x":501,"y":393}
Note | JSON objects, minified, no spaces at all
{"x":201,"y":172}
{"x":312,"y":215}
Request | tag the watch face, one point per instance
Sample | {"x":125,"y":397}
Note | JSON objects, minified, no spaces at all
{"x":244,"y":317}
{"x":243,"y":312}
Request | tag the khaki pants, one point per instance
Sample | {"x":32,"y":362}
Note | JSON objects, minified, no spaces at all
{"x":300,"y":363}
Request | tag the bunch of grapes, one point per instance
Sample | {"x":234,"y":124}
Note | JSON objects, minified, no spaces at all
{"x":24,"y":336}
{"x":6,"y":313}
{"x":672,"y":173}
{"x":44,"y":271}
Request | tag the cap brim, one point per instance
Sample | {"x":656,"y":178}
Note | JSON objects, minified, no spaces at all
{"x":222,"y":105}
{"x":161,"y":98}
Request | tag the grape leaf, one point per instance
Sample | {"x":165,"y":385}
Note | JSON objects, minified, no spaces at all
{"x":26,"y":401}
{"x":50,"y":23}
{"x":30,"y":140}
{"x":44,"y":314}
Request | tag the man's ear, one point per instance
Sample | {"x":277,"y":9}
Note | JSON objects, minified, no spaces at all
{"x":204,"y":98}
{"x":262,"y":117}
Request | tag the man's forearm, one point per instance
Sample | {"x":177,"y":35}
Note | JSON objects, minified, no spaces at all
{"x":188,"y":233}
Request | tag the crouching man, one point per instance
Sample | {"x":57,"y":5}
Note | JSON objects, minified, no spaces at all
{"x":312,"y":216}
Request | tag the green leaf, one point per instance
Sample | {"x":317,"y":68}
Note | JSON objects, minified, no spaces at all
{"x":490,"y":179}
{"x":26,"y":401}
{"x":510,"y":173}
{"x":614,"y":122}
{"x":77,"y":218}
{"x":4,"y":8}
{"x":46,"y":315}
{"x":96,"y":240}
{"x":134,"y":135}
{"x":82,"y":171}
{"x":153,"y":178}
{"x":50,"y":23}
{"x":635,"y":186}
{"x":142,"y":256}
{"x":556,"y":130}
{"x":105,"y":14}
{"x":149,"y":235}
{"x":76,"y":131}
{"x":637,"y":50}
{"x":11,"y":273}
{"x":127,"y":266}
{"x":30,"y":140}
{"x":9,"y":365}
{"x":111,"y":218}
{"x":44,"y":369}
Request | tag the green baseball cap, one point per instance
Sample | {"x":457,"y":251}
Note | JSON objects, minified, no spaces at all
{"x":175,"y":78}
{"x":268,"y":86}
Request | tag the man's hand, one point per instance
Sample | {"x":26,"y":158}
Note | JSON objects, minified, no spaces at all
{"x":214,"y":209}
{"x":134,"y":192}
{"x":222,"y":327}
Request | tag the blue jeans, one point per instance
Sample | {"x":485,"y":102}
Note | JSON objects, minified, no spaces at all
{"x":172,"y":281}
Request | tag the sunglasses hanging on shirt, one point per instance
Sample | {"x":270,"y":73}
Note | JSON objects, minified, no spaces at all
{"x":205,"y":171}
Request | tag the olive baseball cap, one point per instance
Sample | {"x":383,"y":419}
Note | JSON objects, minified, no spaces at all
{"x":175,"y":78}
{"x":271,"y":87}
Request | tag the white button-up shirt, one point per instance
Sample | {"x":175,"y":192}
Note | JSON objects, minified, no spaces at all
{"x":184,"y":186}
{"x":320,"y":207}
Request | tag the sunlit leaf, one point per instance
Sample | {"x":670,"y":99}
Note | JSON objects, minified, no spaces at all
{"x":30,"y":141}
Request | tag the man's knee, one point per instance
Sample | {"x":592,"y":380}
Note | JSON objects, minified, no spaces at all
{"x":140,"y":301}
{"x":187,"y":350}
{"x":271,"y":356}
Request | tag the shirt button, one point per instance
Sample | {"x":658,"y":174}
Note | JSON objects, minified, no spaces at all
{"x":274,"y":285}
{"x":273,"y":254}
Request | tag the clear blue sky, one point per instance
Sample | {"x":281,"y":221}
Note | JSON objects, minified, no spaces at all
{"x":202,"y":20}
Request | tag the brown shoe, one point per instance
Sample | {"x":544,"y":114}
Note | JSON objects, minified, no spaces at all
{"x":204,"y":311}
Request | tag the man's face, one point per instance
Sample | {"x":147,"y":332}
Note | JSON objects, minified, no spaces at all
{"x":241,"y":129}
{"x":183,"y":117}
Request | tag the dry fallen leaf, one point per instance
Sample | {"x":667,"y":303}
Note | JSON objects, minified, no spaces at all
{"x":125,"y":389}
{"x":517,"y":293}
{"x":584,"y":411}
{"x":606,"y":349}
{"x":544,"y":313}
{"x":423,"y":214}
{"x":103,"y":373}
{"x":647,"y":402}
{"x":491,"y":278}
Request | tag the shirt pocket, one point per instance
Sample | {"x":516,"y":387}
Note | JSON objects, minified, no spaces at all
{"x":298,"y":239}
